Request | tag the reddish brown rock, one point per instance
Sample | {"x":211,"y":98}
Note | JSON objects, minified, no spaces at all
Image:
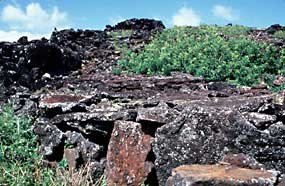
{"x":220,"y":175}
{"x":127,"y":154}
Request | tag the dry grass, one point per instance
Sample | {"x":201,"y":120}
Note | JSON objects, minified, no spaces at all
{"x":80,"y":177}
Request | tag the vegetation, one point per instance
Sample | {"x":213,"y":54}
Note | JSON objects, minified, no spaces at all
{"x":20,"y":162}
{"x":213,"y":52}
{"x":279,"y":34}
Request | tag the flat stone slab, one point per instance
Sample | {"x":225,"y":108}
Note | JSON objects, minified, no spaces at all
{"x":63,"y":102}
{"x":219,"y":175}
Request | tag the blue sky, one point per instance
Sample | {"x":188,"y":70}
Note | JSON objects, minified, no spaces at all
{"x":37,"y":18}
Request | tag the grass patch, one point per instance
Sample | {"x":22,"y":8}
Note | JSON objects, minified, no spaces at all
{"x":204,"y":51}
{"x":21,"y":164}
{"x":19,"y":159}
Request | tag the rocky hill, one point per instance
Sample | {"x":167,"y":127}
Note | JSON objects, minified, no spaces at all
{"x":157,"y":130}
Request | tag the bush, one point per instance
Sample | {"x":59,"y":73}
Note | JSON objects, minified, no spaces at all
{"x":19,"y":159}
{"x":20,"y":162}
{"x":279,"y":34}
{"x":216,"y":53}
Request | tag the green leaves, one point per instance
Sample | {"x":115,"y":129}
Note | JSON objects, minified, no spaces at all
{"x":19,"y":158}
{"x":279,"y":34}
{"x":216,"y":53}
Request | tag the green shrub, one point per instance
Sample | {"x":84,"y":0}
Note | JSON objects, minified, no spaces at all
{"x":279,"y":34}
{"x":19,"y":159}
{"x":232,"y":31}
{"x":204,"y":51}
{"x":20,"y":162}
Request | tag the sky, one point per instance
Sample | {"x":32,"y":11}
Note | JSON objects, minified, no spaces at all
{"x":38,"y":18}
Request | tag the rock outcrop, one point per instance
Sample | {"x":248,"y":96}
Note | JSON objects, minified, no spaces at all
{"x":25,"y":64}
{"x":207,"y":130}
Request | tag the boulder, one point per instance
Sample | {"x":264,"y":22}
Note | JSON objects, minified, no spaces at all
{"x":189,"y":139}
{"x":259,"y":120}
{"x":51,"y":140}
{"x":50,"y":58}
{"x":127,"y":155}
{"x":160,"y":114}
{"x":83,"y":149}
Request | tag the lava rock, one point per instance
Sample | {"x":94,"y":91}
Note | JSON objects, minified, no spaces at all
{"x":58,"y":104}
{"x":242,"y":161}
{"x":139,"y":24}
{"x":23,"y":40}
{"x":49,"y":58}
{"x":87,"y":151}
{"x":220,"y":175}
{"x":261,"y":121}
{"x":23,"y":63}
{"x":190,"y":138}
{"x":220,"y":86}
{"x":160,"y":114}
{"x":274,"y":28}
{"x":51,"y":140}
{"x":127,"y":155}
{"x":282,"y":182}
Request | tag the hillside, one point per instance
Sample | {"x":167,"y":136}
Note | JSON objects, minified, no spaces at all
{"x":138,"y":103}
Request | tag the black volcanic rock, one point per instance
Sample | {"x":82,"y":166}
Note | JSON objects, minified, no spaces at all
{"x":43,"y":63}
{"x":274,"y":28}
{"x":205,"y":132}
{"x":23,"y":40}
{"x":25,"y":63}
{"x":139,"y":24}
{"x":50,"y":58}
{"x":80,"y":41}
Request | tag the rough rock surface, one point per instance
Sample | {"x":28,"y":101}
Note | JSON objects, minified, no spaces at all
{"x":127,"y":155}
{"x":25,"y":64}
{"x":189,"y":139}
{"x":219,"y":175}
{"x":241,"y":160}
